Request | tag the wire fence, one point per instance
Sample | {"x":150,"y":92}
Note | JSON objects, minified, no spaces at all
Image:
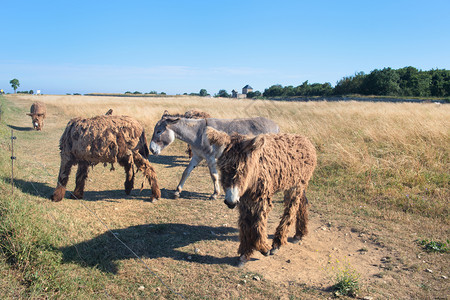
{"x":44,"y":168}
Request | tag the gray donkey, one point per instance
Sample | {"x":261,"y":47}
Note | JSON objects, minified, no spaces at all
{"x":193,"y":132}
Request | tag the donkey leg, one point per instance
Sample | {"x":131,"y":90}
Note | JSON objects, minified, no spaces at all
{"x":215,"y":177}
{"x":252,"y":232}
{"x":245,"y":250}
{"x":192,"y":164}
{"x":291,"y":204}
{"x":149,"y":173}
{"x":302,"y":219}
{"x":260,"y":228}
{"x":129,"y":177}
{"x":189,"y":151}
{"x":127,"y":163}
{"x":82,"y":174}
{"x":63,"y":178}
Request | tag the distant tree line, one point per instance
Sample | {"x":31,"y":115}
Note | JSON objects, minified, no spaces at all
{"x":139,"y":93}
{"x":407,"y":81}
{"x":202,"y":93}
{"x":31,"y":92}
{"x":305,"y":89}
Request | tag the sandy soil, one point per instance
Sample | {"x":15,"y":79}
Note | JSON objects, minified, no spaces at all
{"x":315,"y":261}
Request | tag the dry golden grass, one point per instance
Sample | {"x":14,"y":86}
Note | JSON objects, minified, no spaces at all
{"x":383,"y":173}
{"x":385,"y":144}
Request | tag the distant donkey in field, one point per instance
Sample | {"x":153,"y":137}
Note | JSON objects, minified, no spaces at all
{"x":193,"y":132}
{"x":38,"y":112}
{"x":104,"y":139}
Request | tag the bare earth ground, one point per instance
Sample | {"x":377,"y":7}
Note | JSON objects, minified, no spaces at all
{"x":388,"y":270}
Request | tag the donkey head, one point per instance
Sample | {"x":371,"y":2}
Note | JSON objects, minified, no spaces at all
{"x":163,"y":136}
{"x":37,"y":120}
{"x":236,"y":162}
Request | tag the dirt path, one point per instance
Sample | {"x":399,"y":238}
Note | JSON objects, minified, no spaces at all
{"x":324,"y":250}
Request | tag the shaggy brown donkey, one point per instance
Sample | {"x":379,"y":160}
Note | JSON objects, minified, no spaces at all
{"x":252,"y":170}
{"x":103,"y":139}
{"x":38,"y":112}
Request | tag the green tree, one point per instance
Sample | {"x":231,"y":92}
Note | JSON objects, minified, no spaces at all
{"x":254,"y":94}
{"x":440,"y":81}
{"x":303,"y":89}
{"x":350,"y":85}
{"x":223,"y":93}
{"x":203,"y":93}
{"x":408,"y":83}
{"x":320,"y":89}
{"x":383,"y":82}
{"x":289,"y":91}
{"x":273,"y":91}
{"x":14,"y":84}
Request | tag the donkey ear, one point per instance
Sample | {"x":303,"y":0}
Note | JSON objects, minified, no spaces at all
{"x":254,"y":143}
{"x":166,"y":113}
{"x":29,"y":114}
{"x":172,"y":120}
{"x":216,"y":137}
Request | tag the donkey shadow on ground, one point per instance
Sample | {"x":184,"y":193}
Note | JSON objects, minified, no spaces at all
{"x":20,"y":128}
{"x":136,"y":194}
{"x":169,"y":161}
{"x":149,"y":241}
{"x":33,"y":188}
{"x":41,"y":189}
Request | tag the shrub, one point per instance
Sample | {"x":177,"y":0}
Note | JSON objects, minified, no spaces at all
{"x":347,"y":282}
{"x":432,"y":246}
{"x":254,"y":94}
{"x":223,"y":93}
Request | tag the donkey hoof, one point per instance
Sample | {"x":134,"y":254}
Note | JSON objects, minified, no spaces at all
{"x":297,"y":240}
{"x":274,"y":251}
{"x":242,"y":261}
{"x":241,"y":264}
{"x":76,"y":196}
{"x":213,"y":197}
{"x":55,"y":199}
{"x":176,"y":195}
{"x":266,"y":253}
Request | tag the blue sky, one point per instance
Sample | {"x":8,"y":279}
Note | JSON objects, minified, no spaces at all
{"x":183,"y":46}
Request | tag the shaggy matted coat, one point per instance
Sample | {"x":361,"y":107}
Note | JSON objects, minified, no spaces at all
{"x":38,"y":112}
{"x":252,"y":170}
{"x":103,"y":139}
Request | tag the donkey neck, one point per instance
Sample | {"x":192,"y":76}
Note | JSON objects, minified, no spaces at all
{"x":188,"y":130}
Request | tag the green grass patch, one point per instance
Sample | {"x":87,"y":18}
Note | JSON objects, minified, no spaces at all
{"x":435,"y":246}
{"x":347,"y":282}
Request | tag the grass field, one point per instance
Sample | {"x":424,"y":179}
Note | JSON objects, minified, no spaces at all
{"x":381,"y":186}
